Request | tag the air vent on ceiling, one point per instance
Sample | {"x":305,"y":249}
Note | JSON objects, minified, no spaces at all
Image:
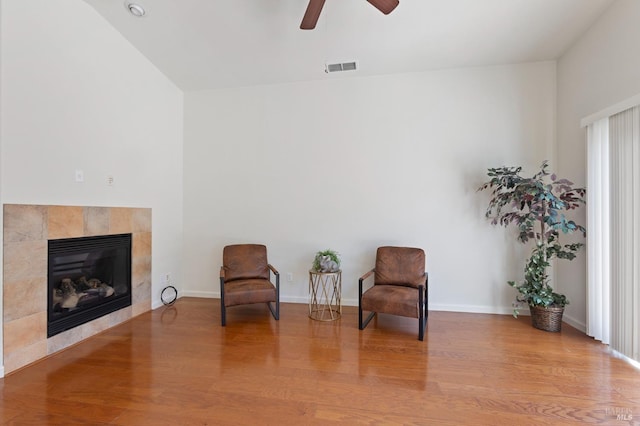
{"x":344,"y":66}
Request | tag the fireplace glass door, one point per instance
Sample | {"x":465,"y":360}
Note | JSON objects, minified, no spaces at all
{"x":88,"y":277}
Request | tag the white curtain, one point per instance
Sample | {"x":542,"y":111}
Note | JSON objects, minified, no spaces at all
{"x":598,"y":257}
{"x":613,"y":231}
{"x":624,"y":141}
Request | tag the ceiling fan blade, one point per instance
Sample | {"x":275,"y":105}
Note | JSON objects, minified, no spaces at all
{"x":385,"y":6}
{"x":312,"y":14}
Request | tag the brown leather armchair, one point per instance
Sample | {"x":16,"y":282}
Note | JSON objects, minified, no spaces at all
{"x":400,"y":286}
{"x":245,"y":278}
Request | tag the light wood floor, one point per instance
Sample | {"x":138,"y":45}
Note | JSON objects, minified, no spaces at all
{"x":178,"y":366}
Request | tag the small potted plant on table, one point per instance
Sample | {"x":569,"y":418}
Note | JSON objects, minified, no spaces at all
{"x":536,"y":206}
{"x":326,"y":261}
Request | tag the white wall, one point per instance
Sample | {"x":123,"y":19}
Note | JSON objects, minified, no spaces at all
{"x":600,"y":70}
{"x":76,"y":95}
{"x":352,"y":164}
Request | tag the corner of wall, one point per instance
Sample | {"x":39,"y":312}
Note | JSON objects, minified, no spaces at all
{"x":1,"y":202}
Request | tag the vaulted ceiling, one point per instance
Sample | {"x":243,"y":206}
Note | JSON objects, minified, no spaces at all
{"x":207,"y":44}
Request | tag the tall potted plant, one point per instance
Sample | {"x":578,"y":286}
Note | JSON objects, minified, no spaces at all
{"x":536,"y":206}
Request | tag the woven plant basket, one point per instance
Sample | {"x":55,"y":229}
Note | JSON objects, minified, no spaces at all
{"x":547,"y":319}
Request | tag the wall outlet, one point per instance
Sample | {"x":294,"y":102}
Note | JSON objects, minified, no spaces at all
{"x":79,"y":175}
{"x":167,"y":278}
{"x":290,"y":277}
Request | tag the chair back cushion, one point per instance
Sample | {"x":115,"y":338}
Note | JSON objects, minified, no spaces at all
{"x":245,"y":261}
{"x":402,"y":266}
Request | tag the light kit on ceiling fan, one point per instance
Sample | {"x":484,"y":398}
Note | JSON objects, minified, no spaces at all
{"x":314,"y":8}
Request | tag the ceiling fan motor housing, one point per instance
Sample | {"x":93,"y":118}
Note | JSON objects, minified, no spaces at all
{"x":314,"y":8}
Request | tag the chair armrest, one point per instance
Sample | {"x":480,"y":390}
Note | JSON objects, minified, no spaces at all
{"x":274,"y":270}
{"x":222,"y":272}
{"x":367,"y":275}
{"x":277,"y":274}
{"x":361,"y":279}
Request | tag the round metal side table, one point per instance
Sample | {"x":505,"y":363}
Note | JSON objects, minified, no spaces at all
{"x":325,"y":295}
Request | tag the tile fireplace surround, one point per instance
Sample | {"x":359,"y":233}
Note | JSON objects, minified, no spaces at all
{"x":27,"y":228}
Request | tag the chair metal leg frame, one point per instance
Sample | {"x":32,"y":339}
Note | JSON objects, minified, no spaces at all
{"x":426,"y":297}
{"x":223,"y":310}
{"x":422,"y":319}
{"x":423,"y":304}
{"x":362,"y":325}
{"x":276,"y":312}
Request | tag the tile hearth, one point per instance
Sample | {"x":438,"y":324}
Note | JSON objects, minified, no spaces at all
{"x":27,"y":228}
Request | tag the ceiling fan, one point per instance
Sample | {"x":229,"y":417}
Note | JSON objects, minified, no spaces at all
{"x":315,"y":7}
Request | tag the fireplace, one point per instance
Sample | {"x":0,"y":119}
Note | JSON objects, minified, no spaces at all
{"x":28,"y":228}
{"x":88,"y":277}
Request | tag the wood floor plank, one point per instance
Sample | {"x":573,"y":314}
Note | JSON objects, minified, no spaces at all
{"x":177,"y":365}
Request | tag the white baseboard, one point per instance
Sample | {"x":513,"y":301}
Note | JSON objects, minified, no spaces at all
{"x":476,"y":309}
{"x":296,"y":299}
{"x":575,"y":323}
{"x":470,"y":309}
{"x":202,"y":294}
{"x":631,"y":361}
{"x":1,"y":371}
{"x":216,"y":295}
{"x":479,"y":309}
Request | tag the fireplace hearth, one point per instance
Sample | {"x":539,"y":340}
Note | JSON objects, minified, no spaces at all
{"x":88,"y":277}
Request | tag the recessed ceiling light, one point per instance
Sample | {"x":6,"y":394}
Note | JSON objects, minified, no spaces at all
{"x":135,"y":9}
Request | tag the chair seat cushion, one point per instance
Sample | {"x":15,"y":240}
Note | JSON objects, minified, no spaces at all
{"x":242,"y":292}
{"x":392,"y":299}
